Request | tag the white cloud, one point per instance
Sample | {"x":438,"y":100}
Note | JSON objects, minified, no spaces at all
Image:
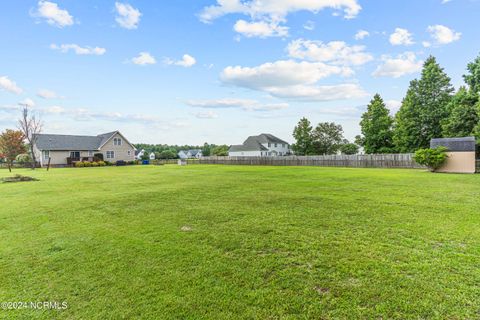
{"x":309,"y":25}
{"x":244,"y":104}
{"x":401,"y":37}
{"x":53,"y":14}
{"x":443,"y":35}
{"x":144,"y":58}
{"x":292,"y":80}
{"x":54,"y":110}
{"x":361,"y":34}
{"x":335,"y":52}
{"x":127,"y":17}
{"x":261,"y":29}
{"x":78,"y":49}
{"x":27,"y":102}
{"x":9,"y":85}
{"x":206,"y":115}
{"x":267,"y":15}
{"x":403,"y":64}
{"x":426,"y":44}
{"x":445,"y":1}
{"x":277,"y":9}
{"x":319,"y":93}
{"x":187,"y":61}
{"x":46,"y":94}
{"x":280,"y":74}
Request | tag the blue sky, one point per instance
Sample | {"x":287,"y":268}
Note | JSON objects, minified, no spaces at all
{"x":186,"y":72}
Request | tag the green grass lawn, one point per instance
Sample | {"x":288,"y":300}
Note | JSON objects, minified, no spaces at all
{"x":264,"y":242}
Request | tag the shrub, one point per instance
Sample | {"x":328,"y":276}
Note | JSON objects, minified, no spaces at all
{"x":87,"y":164}
{"x":79,"y":164}
{"x":98,"y":156}
{"x":108,"y":163}
{"x":94,"y":164}
{"x":432,"y":158}
{"x":101,"y":163}
{"x":23,"y":158}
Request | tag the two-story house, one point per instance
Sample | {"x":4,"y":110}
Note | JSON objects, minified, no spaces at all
{"x":263,"y":145}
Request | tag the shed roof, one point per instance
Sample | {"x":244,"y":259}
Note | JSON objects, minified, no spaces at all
{"x":463,"y":144}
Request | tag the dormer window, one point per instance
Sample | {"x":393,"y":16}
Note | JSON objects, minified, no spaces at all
{"x":117,"y":141}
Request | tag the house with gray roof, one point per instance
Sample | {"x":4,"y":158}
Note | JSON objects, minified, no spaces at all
{"x":263,"y":145}
{"x":63,"y":150}
{"x":190,"y":154}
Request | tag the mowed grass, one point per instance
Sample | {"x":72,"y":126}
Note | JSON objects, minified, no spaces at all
{"x":265,"y":242}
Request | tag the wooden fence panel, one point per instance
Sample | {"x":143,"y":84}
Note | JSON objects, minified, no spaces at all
{"x":404,"y":160}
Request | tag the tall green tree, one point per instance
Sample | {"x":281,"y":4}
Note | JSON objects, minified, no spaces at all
{"x":406,"y":135}
{"x":377,"y":127}
{"x":206,"y":150}
{"x":327,"y":138}
{"x":464,"y":114}
{"x":472,"y":78}
{"x":303,"y":138}
{"x":424,"y":108}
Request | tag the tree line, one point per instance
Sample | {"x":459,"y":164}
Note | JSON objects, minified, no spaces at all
{"x":165,"y":151}
{"x":430,"y":109}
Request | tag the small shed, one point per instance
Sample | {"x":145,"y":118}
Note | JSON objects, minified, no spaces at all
{"x":461,"y":154}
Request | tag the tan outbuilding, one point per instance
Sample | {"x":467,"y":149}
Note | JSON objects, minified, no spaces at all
{"x":461,"y":154}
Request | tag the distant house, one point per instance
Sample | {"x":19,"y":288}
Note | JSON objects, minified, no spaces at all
{"x":263,"y":145}
{"x":63,"y":150}
{"x":152,"y":156}
{"x":190,"y":154}
{"x":139,"y":154}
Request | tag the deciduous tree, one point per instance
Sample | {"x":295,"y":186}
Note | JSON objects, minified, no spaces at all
{"x":11,"y":145}
{"x":30,"y":127}
{"x":472,"y":78}
{"x":327,"y":138}
{"x":463,"y":116}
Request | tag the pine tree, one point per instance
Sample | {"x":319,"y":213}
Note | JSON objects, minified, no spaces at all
{"x":463,"y":117}
{"x":424,"y":109}
{"x":376,"y":127}
{"x":303,"y":138}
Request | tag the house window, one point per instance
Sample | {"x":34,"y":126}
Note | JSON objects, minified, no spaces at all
{"x":269,"y":144}
{"x":117,"y":142}
{"x":75,"y":154}
{"x":46,"y":154}
{"x":110,"y":154}
{"x":283,"y":145}
{"x":129,"y":152}
{"x":90,"y":153}
{"x":275,"y":145}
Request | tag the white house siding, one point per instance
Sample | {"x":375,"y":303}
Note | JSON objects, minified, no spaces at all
{"x":121,"y":152}
{"x":281,"y":149}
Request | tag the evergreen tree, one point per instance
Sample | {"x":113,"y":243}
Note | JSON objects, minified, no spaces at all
{"x":463,"y":117}
{"x":303,"y":138}
{"x":376,"y":127}
{"x":473,"y":76}
{"x":424,"y":108}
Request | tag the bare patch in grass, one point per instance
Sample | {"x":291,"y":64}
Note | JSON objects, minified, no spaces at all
{"x":18,"y":178}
